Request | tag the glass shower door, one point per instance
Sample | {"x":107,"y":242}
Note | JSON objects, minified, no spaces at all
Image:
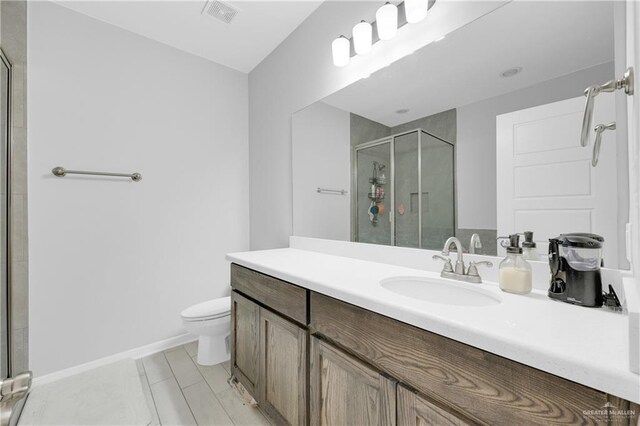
{"x":373,"y":178}
{"x":406,"y":190}
{"x":438,"y":203}
{"x":405,"y":194}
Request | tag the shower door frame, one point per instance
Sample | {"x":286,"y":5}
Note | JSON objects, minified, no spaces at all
{"x":354,"y":183}
{"x":8,"y":206}
{"x":392,"y":218}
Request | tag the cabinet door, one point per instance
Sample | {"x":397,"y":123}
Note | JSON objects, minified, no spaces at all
{"x":413,"y":410}
{"x":345,"y":391}
{"x":245,"y":316}
{"x":283,"y":369}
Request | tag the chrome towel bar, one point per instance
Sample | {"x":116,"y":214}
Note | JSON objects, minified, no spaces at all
{"x":332,"y":191}
{"x":625,"y":83}
{"x":61,"y":172}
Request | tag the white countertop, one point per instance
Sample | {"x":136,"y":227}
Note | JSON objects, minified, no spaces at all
{"x":588,"y":346}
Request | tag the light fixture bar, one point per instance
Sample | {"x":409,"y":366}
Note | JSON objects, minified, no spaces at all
{"x":402,"y":21}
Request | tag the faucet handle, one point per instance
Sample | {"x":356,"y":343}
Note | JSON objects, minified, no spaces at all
{"x":447,"y":262}
{"x":473,"y":267}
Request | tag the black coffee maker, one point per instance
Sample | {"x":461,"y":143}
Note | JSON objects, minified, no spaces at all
{"x":575,"y":260}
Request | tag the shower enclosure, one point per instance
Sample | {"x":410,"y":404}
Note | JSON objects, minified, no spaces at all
{"x":404,"y":191}
{"x":13,"y":387}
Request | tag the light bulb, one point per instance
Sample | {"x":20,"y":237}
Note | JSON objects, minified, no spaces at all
{"x":341,"y":49}
{"x":362,"y":35}
{"x":387,"y":21}
{"x":415,"y":10}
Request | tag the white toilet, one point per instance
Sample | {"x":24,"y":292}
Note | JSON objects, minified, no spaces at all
{"x":211,"y":322}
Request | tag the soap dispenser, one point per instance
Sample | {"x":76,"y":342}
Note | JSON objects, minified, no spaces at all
{"x":515,"y":271}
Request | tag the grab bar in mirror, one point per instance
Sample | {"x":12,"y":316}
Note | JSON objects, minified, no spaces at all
{"x":600,"y":128}
{"x":332,"y":191}
{"x":62,"y":172}
{"x":626,"y":83}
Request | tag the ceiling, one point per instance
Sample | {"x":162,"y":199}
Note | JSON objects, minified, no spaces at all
{"x":546,"y":39}
{"x":258,"y":28}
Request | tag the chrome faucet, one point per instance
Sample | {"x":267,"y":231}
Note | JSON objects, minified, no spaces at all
{"x":459,"y":273}
{"x":460,"y":261}
{"x":475,"y":243}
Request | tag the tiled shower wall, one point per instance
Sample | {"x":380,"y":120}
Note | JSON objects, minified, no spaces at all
{"x":13,"y":39}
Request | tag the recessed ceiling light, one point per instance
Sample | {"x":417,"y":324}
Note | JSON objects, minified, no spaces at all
{"x":402,"y":111}
{"x":511,"y":72}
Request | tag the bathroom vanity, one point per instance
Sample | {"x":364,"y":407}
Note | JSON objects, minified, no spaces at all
{"x":314,"y":346}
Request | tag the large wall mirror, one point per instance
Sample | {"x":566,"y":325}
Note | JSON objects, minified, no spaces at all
{"x":477,"y":133}
{"x":5,"y":103}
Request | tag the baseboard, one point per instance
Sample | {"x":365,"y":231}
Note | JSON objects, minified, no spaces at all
{"x":135,"y":353}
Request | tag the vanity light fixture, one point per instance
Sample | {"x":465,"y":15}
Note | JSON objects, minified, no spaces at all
{"x":341,"y":49}
{"x":362,"y":37}
{"x":415,"y":10}
{"x":387,"y":21}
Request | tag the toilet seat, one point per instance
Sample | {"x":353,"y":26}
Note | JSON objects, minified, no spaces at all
{"x":209,"y":310}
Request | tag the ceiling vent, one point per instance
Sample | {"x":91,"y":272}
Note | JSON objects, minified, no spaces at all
{"x":220,"y":10}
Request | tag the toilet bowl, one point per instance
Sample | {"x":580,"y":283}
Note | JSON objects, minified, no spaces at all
{"x":211,"y":322}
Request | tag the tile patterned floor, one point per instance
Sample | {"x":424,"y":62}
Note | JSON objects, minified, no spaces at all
{"x":179,"y":391}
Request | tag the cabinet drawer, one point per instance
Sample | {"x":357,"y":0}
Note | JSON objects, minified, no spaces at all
{"x":486,"y":388}
{"x":285,"y":298}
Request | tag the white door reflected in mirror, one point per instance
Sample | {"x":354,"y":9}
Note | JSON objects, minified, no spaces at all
{"x":545,"y":181}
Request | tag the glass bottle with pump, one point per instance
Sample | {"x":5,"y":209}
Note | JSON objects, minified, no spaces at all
{"x":529,"y":249}
{"x":515,"y":271}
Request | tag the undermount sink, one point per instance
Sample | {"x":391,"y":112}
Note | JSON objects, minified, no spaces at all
{"x":440,"y":291}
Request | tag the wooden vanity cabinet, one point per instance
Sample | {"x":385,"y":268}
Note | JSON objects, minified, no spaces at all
{"x":345,"y":391}
{"x":485,"y":388}
{"x":269,"y":343}
{"x":309,"y":359}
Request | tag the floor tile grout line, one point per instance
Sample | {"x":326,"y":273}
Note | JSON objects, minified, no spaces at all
{"x":222,"y":405}
{"x":153,"y":399}
{"x":180,"y":387}
{"x":207,"y":382}
{"x":233,"y":390}
{"x":174,"y":374}
{"x":212,"y":392}
{"x":215,"y":395}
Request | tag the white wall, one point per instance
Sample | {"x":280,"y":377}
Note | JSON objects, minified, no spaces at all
{"x":321,"y":158}
{"x":113,"y":262}
{"x":300,"y":72}
{"x":476,"y":140}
